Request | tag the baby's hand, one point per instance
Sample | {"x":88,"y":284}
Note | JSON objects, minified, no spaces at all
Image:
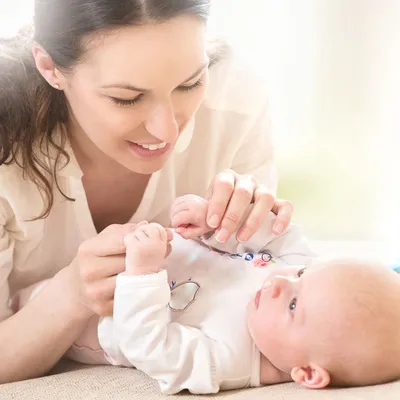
{"x":146,"y":248}
{"x":189,"y":216}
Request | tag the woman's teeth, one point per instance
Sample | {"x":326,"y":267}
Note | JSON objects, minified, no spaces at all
{"x":153,"y":146}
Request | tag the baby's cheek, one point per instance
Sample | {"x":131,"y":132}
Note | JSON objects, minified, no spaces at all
{"x":261,"y":337}
{"x":267,"y":325}
{"x":256,"y":324}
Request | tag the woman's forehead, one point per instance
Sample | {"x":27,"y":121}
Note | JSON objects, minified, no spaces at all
{"x":173,"y":51}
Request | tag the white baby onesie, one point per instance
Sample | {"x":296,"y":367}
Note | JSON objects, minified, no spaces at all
{"x":186,"y":326}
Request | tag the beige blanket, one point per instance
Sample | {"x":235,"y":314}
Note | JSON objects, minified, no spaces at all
{"x":72,"y":382}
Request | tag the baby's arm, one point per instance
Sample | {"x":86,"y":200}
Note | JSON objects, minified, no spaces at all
{"x":178,"y":357}
{"x":188,"y":215}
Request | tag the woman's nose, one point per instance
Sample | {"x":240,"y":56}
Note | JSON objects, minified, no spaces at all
{"x":162,"y":124}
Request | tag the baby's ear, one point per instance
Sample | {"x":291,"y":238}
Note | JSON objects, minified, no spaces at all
{"x":311,"y":377}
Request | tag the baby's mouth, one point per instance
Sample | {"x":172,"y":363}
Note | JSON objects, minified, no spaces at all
{"x":257,"y":298}
{"x":267,"y":284}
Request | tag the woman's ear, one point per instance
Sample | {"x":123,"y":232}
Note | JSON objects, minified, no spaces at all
{"x":46,"y":66}
{"x":311,"y":377}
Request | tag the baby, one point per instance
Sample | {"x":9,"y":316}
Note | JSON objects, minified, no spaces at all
{"x":216,"y":317}
{"x":207,"y":321}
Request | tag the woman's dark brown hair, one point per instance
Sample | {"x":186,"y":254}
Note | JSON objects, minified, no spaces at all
{"x":30,"y":109}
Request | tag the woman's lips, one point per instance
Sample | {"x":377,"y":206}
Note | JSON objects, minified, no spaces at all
{"x":147,"y":153}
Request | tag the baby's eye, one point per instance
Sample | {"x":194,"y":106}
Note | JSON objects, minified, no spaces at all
{"x":292,"y":305}
{"x":301,"y":272}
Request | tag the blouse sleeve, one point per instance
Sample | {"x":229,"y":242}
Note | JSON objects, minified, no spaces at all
{"x":6,"y":262}
{"x":256,"y":153}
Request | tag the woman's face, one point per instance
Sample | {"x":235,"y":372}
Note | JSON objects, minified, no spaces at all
{"x":136,"y":90}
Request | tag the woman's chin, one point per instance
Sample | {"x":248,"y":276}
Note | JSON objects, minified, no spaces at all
{"x":145,"y":166}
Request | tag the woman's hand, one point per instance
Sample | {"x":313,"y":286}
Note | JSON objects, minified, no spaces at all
{"x":230,"y":195}
{"x":98,"y":261}
{"x":93,"y":272}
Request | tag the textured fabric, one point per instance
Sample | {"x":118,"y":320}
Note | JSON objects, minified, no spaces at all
{"x":75,"y":382}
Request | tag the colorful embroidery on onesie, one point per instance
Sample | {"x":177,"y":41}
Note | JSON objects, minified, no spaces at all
{"x":261,"y":260}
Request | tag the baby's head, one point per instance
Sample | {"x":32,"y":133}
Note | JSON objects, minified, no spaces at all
{"x":332,"y":324}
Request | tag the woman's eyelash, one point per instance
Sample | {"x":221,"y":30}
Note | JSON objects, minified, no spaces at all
{"x":192,"y":87}
{"x":131,"y":102}
{"x":127,"y":103}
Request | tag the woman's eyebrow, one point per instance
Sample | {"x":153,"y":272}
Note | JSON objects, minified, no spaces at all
{"x":128,"y":86}
{"x":197,"y":72}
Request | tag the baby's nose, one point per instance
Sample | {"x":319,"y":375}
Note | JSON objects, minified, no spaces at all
{"x":279,"y":284}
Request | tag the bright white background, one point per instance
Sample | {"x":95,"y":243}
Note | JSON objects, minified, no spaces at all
{"x":333,"y":68}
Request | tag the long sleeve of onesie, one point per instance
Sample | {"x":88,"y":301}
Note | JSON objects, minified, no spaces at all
{"x":291,"y":246}
{"x":177,"y":356}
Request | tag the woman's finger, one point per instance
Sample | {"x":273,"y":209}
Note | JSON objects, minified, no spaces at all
{"x":238,"y":206}
{"x":263,"y":203}
{"x":102,"y":267}
{"x":109,"y":242}
{"x":104,"y":309}
{"x":284,"y":212}
{"x":101,"y":290}
{"x":221,"y":193}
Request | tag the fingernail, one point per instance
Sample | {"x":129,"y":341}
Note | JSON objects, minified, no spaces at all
{"x":244,"y":235}
{"x":213,"y":222}
{"x":278,"y":228}
{"x":222,"y":236}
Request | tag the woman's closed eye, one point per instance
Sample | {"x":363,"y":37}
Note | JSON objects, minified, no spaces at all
{"x":127,"y":102}
{"x":137,"y":99}
{"x":191,"y":87}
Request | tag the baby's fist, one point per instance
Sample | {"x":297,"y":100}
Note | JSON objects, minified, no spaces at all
{"x":146,"y":249}
{"x":189,"y":216}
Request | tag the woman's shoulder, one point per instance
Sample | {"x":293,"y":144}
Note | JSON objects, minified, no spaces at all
{"x":236,"y":83}
{"x":18,"y":194}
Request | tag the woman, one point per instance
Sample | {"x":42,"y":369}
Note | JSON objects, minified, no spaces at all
{"x":105,"y":125}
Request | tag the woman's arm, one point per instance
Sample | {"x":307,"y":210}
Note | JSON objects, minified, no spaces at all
{"x":35,"y":338}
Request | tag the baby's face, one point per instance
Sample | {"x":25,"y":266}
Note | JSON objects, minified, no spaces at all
{"x":290,"y":313}
{"x":318,"y":316}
